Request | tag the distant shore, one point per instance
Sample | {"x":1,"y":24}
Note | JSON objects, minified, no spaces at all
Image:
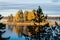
{"x":51,"y":23}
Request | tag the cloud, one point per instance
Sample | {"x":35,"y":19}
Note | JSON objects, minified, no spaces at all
{"x":25,"y":1}
{"x":55,"y":0}
{"x":7,"y":7}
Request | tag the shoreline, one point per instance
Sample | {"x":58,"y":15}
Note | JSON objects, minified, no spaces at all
{"x":51,"y":23}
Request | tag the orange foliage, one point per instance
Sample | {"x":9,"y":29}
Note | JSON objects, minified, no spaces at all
{"x":17,"y":16}
{"x":27,"y":16}
{"x":30,"y":15}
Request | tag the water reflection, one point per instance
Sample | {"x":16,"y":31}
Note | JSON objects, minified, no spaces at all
{"x":2,"y":31}
{"x":18,"y":32}
{"x":21,"y":33}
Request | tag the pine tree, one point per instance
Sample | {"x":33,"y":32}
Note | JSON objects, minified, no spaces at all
{"x":2,"y":27}
{"x":40,"y":15}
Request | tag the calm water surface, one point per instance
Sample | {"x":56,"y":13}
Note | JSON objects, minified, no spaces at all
{"x":14,"y":34}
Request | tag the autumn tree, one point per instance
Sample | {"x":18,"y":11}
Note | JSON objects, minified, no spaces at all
{"x":19,"y":16}
{"x":10,"y":18}
{"x":26,"y":15}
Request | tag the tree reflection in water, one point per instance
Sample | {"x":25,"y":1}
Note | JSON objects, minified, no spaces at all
{"x":2,"y":27}
{"x":44,"y":33}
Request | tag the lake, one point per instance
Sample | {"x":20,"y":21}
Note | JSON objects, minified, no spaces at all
{"x":15,"y":34}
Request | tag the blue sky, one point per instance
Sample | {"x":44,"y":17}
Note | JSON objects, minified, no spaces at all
{"x":49,"y":7}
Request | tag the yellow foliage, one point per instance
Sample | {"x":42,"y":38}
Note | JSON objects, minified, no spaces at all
{"x":30,"y":15}
{"x":17,"y":17}
{"x":16,"y":29}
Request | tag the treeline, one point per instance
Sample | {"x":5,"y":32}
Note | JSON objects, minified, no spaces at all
{"x":35,"y":15}
{"x":54,"y":18}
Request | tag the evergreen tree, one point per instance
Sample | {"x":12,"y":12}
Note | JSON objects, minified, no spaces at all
{"x":2,"y":27}
{"x":1,"y":17}
{"x":39,"y":13}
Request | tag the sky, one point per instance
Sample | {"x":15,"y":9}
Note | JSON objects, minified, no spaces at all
{"x":8,"y":7}
{"x":28,"y":1}
{"x":24,"y":1}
